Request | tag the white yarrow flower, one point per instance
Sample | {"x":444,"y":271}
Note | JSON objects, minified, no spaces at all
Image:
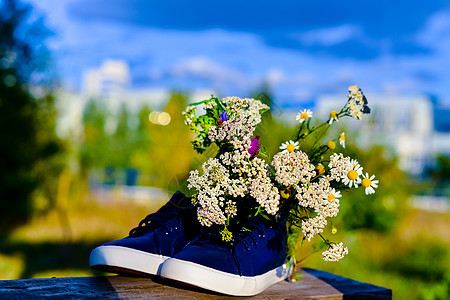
{"x":353,"y":89}
{"x":335,"y":252}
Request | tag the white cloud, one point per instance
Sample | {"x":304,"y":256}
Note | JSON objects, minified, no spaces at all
{"x":211,"y":73}
{"x":401,"y":87}
{"x":237,"y":63}
{"x":332,"y":35}
{"x":303,"y":94}
{"x":203,"y":67}
{"x":275,"y":76}
{"x":437,"y":30}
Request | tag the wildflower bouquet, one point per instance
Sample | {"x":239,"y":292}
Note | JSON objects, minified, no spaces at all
{"x":301,"y":186}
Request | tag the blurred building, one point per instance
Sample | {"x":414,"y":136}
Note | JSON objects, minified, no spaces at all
{"x":70,"y":108}
{"x":111,"y":85}
{"x":111,"y":80}
{"x":405,"y":124}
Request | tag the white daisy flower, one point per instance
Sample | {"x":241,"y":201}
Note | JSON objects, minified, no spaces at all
{"x":333,"y":117}
{"x":303,"y":115}
{"x":369,"y":183}
{"x":289,"y":146}
{"x":342,"y":139}
{"x":354,"y":163}
{"x":352,"y":177}
{"x":334,"y":195}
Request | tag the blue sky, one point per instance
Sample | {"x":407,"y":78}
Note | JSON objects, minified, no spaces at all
{"x":300,"y":48}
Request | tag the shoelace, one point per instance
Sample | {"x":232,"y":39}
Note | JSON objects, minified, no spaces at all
{"x":151,"y":221}
{"x":244,"y":236}
{"x":158,"y":218}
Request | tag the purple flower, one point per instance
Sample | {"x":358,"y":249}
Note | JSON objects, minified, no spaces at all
{"x":254,"y":146}
{"x":223,"y":116}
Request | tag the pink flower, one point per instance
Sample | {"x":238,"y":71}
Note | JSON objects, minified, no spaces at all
{"x":254,"y":146}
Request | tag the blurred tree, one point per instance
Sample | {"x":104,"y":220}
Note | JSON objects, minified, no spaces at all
{"x":161,"y":153}
{"x":380,"y":211}
{"x":265,"y":96}
{"x":271,"y":132}
{"x":28,"y":144}
{"x":143,"y":136}
{"x":123,"y":141}
{"x":438,"y":176}
{"x":169,"y":156}
{"x":53,"y":155}
{"x":428,"y":262}
{"x":441,"y":172}
{"x":95,"y":149}
{"x":140,"y":158}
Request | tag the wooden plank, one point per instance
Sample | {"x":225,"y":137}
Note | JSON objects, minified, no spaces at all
{"x":315,"y":285}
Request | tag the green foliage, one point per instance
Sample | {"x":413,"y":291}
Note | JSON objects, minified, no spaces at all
{"x":379,"y":211}
{"x":23,"y":52}
{"x":162,"y":154}
{"x":422,"y":258}
{"x":54,"y":154}
{"x":170,"y":154}
{"x":102,"y":147}
{"x":271,"y":132}
{"x":200,"y":125}
{"x":123,"y":140}
{"x":441,"y":172}
{"x":18,"y":140}
{"x":28,"y":144}
{"x":95,"y":148}
{"x":438,"y":291}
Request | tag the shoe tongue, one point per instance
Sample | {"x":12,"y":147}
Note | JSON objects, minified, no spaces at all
{"x":178,"y":205}
{"x":178,"y":201}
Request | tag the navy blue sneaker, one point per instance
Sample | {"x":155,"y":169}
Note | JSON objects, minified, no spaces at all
{"x":159,"y":236}
{"x":249,"y":264}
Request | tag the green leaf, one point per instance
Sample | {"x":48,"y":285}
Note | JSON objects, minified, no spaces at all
{"x":265,"y":216}
{"x":219,"y":104}
{"x":258,"y":211}
{"x":308,"y":124}
{"x":297,"y":277}
{"x":200,"y":102}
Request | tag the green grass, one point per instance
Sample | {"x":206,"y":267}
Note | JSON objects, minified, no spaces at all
{"x":58,"y":243}
{"x":413,"y":260}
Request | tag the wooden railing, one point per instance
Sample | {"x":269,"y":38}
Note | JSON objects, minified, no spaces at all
{"x":315,"y":285}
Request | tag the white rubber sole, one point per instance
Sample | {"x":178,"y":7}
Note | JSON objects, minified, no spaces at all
{"x":126,"y":258}
{"x":221,"y":282}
